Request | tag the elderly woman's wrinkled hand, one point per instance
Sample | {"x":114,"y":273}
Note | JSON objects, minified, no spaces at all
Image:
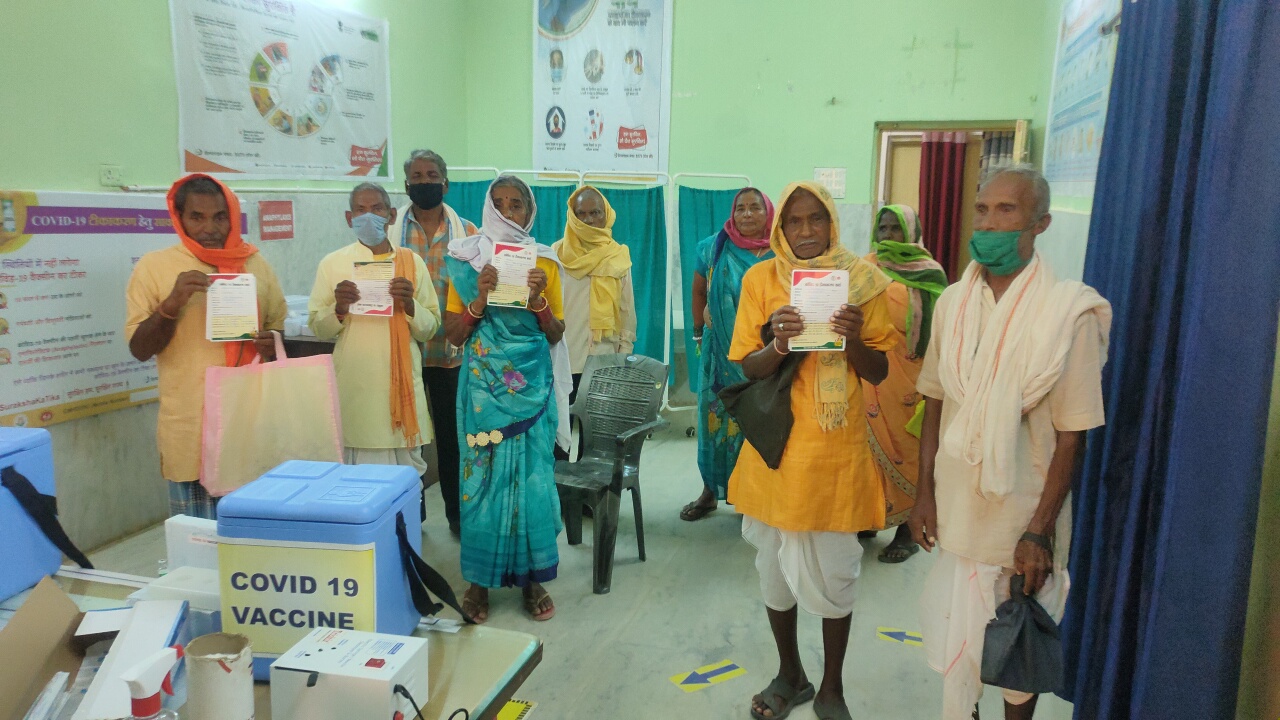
{"x":786,"y":323}
{"x":847,"y":322}
{"x":537,"y":284}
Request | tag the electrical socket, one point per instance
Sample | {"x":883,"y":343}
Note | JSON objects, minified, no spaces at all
{"x":110,"y":175}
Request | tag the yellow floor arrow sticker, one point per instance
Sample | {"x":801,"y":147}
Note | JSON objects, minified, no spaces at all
{"x":707,"y":675}
{"x":900,"y":636}
{"x":516,"y":710}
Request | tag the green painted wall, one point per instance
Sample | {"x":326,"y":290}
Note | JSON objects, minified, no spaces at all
{"x":89,"y":82}
{"x":773,"y":89}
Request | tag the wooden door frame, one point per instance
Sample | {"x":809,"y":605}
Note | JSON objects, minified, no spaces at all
{"x":887,"y":131}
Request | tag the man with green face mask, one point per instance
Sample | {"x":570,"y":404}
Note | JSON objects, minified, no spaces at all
{"x":1012,"y":379}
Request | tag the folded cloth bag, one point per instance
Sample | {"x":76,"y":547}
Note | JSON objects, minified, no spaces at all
{"x":762,"y":409}
{"x":259,"y":415}
{"x":1022,"y":650}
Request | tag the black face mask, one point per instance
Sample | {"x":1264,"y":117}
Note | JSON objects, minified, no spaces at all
{"x":427,"y":196}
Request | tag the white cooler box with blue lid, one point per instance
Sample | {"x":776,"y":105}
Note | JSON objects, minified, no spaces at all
{"x":311,"y":545}
{"x":26,"y":555}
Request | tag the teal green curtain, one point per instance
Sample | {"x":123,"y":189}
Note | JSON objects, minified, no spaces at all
{"x":553,"y":208}
{"x":466,"y":197}
{"x":641,"y":225}
{"x":702,"y":213}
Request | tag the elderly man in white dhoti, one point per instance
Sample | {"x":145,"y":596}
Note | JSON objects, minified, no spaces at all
{"x":1012,"y":380}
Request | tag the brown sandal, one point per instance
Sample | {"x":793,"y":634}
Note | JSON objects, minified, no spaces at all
{"x":475,"y":608}
{"x":532,"y":602}
{"x":693,"y":511}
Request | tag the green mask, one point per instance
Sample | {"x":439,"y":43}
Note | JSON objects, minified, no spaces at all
{"x":997,"y":251}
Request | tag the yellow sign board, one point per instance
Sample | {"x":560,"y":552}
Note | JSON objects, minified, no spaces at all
{"x":276,"y":593}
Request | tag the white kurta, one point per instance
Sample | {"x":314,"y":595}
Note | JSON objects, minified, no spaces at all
{"x":362,"y":355}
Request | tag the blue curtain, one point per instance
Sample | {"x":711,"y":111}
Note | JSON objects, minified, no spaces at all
{"x":702,"y":212}
{"x":1183,"y":242}
{"x":642,"y":226}
{"x":466,"y":197}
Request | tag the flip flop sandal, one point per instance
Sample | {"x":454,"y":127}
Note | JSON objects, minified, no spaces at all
{"x":791,"y":699}
{"x":474,"y":608}
{"x":531,"y":606}
{"x":693,"y":511}
{"x":911,"y":549}
{"x":833,"y":711}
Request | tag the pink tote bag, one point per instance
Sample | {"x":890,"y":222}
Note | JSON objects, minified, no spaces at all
{"x":262,"y":414}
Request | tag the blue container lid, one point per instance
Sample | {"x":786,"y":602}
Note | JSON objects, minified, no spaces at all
{"x":15,"y":440}
{"x":323,"y":492}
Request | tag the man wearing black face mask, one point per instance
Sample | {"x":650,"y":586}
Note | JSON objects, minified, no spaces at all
{"x":425,"y":226}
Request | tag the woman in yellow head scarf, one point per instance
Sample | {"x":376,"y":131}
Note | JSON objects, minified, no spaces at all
{"x":599,"y":302}
{"x":803,"y":517}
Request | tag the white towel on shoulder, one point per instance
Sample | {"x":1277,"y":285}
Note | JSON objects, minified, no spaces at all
{"x":1002,"y":372}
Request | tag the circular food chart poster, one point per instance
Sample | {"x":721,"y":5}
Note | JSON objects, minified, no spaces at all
{"x":295,"y":102}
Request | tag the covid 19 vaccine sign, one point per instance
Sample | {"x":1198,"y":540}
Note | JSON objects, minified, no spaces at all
{"x":275,"y":593}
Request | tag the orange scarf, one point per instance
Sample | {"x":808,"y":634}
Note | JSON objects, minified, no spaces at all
{"x":230,"y":258}
{"x":404,"y":409}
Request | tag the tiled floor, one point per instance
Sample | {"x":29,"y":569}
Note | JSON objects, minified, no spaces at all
{"x":696,"y":601}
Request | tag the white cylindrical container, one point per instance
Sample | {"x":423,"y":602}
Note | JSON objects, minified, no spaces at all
{"x":219,"y":678}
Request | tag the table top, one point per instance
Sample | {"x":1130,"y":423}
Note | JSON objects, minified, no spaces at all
{"x":477,"y":668}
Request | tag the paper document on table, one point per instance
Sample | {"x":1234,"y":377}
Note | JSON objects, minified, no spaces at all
{"x":231,"y":311}
{"x":373,"y":280}
{"x":513,"y":263}
{"x":818,"y":294}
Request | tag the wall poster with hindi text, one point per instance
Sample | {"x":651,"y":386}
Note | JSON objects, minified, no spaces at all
{"x":65,"y":261}
{"x":601,"y":85}
{"x":281,"y":89}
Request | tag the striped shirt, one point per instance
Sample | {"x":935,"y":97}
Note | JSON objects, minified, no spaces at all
{"x":436,"y":352}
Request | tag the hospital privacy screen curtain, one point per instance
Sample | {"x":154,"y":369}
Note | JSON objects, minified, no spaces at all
{"x":1169,"y":491}
{"x":641,"y":225}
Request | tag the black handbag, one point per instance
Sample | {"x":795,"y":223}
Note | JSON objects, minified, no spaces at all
{"x":762,"y":409}
{"x":1022,"y":650}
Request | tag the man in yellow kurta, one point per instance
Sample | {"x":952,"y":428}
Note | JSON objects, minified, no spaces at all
{"x":165,"y":302}
{"x":803,"y":518}
{"x":376,"y":358}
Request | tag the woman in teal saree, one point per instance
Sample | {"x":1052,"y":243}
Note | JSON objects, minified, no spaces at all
{"x":723,"y":259}
{"x":507,"y":409}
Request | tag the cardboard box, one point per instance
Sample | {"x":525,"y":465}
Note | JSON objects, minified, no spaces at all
{"x":339,"y":674}
{"x":43,"y":638}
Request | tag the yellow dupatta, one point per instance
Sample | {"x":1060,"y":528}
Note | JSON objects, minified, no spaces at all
{"x":866,"y":281}
{"x":590,"y":251}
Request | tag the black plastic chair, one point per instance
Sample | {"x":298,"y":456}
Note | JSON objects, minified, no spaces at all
{"x":617,"y":408}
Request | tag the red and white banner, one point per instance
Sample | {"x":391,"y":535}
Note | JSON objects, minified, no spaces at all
{"x":275,"y":219}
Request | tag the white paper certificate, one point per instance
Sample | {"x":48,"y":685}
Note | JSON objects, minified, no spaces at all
{"x":231,"y":310}
{"x":513,"y":263}
{"x":373,"y":280}
{"x":818,"y":294}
